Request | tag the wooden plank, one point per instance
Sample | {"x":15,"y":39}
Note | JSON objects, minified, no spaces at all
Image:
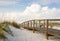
{"x":28,"y":24}
{"x":44,"y":23}
{"x":46,"y":29}
{"x":39,"y":25}
{"x":54,"y":32}
{"x":54,"y":19}
{"x":24,"y":24}
{"x":51,"y":32}
{"x":33,"y":26}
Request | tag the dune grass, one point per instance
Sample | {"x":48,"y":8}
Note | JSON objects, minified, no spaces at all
{"x":4,"y":27}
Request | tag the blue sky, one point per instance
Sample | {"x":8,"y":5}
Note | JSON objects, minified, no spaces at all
{"x":20,"y":5}
{"x":23,"y":10}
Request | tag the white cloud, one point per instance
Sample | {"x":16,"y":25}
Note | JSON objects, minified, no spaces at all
{"x":35,"y":11}
{"x":41,"y":11}
{"x":33,"y":8}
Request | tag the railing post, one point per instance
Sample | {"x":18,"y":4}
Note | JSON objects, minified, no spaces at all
{"x":39,"y":25}
{"x":36,"y":24}
{"x":24,"y":24}
{"x":28,"y":24}
{"x":33,"y":26}
{"x":44,"y":24}
{"x":47,"y":29}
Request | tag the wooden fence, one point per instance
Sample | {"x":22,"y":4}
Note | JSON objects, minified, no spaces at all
{"x":43,"y":23}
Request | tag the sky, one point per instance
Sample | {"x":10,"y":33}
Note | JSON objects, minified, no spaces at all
{"x":23,"y":10}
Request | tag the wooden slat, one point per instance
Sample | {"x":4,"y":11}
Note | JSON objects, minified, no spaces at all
{"x":46,"y":29}
{"x":28,"y":24}
{"x":33,"y":26}
{"x":54,"y":32}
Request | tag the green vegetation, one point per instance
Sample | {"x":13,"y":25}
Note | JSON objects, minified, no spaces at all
{"x":4,"y":27}
{"x":15,"y":25}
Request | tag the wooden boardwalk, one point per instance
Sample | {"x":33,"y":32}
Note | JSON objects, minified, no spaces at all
{"x":27,"y":35}
{"x":43,"y":23}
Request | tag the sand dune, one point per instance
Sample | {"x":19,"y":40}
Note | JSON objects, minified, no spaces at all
{"x":26,"y":35}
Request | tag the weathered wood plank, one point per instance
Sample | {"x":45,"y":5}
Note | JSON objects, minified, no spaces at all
{"x":46,"y":29}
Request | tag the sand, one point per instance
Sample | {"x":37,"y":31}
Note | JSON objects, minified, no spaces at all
{"x":26,"y":35}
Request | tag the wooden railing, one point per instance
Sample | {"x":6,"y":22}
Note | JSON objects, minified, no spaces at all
{"x":38,"y":24}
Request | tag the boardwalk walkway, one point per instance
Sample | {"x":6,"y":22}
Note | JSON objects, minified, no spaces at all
{"x":26,"y":35}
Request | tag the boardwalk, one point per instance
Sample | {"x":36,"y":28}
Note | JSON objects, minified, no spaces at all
{"x":46,"y":24}
{"x":26,"y":35}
